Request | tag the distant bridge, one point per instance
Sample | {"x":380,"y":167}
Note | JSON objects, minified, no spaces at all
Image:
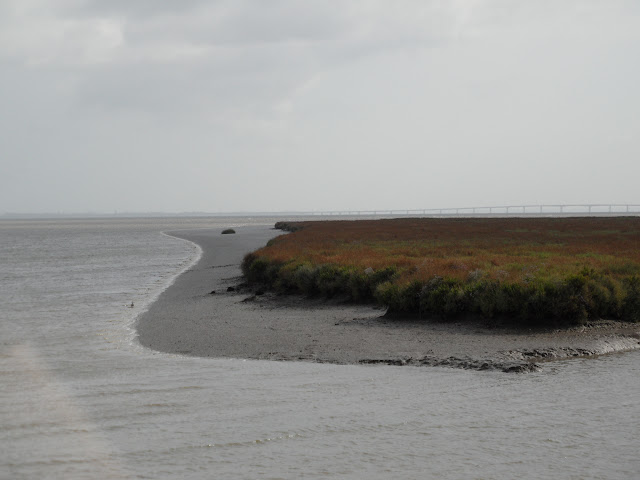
{"x":501,"y":210}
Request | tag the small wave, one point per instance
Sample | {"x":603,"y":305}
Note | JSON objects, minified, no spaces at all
{"x":247,"y":443}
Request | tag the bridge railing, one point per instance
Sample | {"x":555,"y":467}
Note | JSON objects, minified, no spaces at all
{"x":499,"y":210}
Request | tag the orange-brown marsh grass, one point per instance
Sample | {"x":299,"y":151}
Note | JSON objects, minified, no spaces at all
{"x":501,"y":247}
{"x":572,"y":264}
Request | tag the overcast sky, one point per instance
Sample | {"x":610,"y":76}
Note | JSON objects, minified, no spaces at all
{"x":272,"y":105}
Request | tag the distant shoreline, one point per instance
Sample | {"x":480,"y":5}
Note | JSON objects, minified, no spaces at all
{"x":188,"y":319}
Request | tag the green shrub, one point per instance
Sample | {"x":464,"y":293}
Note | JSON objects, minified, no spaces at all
{"x":410,"y":297}
{"x":569,"y":300}
{"x":557,"y":301}
{"x":485,"y":298}
{"x":285,"y":280}
{"x":304,"y":279}
{"x":631,"y":303}
{"x":510,"y":298}
{"x":332,"y":280}
{"x":271,"y":273}
{"x":604,"y":297}
{"x":383,"y":275}
{"x":359,"y":286}
{"x":259,"y":269}
{"x":254,"y":268}
{"x":399,"y":298}
{"x":363,"y":285}
{"x":571,"y":303}
{"x":388,"y":294}
{"x":245,"y":265}
{"x":288,"y":226}
{"x":445,"y":298}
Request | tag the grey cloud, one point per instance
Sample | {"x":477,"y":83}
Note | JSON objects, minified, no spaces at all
{"x":237,"y":22}
{"x":350,"y":104}
{"x":134,"y":8}
{"x":248,"y":54}
{"x":217,"y":87}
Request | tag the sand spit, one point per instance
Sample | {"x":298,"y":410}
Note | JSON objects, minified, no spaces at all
{"x":234,"y":322}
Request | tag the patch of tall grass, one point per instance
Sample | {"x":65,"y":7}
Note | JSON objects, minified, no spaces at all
{"x":448,"y":268}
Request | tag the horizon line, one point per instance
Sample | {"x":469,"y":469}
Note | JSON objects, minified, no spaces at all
{"x":511,"y":210}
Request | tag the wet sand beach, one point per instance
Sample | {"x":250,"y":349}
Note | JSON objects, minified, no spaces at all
{"x":233,"y":322}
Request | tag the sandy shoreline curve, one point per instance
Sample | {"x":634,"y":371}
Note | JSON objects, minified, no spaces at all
{"x":187,"y":318}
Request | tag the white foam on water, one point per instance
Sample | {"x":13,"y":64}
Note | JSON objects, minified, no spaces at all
{"x":131,"y":334}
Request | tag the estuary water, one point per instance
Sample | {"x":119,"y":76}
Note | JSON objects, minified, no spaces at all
{"x":80,"y":398}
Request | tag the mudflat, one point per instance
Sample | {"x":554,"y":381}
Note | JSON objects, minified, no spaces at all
{"x":207,"y":312}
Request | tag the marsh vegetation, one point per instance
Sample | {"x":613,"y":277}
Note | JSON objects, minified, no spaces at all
{"x":525,"y":270}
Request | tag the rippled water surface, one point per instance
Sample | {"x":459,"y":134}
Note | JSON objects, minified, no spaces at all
{"x":81,"y":399}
